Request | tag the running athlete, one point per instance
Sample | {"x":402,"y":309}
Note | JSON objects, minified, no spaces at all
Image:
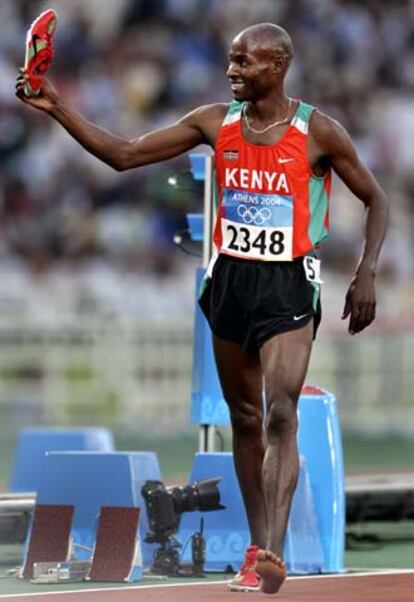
{"x":273,"y":160}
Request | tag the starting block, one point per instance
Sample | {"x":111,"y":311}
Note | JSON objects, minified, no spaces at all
{"x":91,"y":480}
{"x":49,"y":536}
{"x":70,"y":571}
{"x":116,"y":555}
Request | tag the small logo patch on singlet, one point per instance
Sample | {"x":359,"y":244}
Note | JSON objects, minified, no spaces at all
{"x":231,"y":155}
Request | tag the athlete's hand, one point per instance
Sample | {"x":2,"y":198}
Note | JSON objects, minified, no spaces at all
{"x":47,"y":98}
{"x":360,"y":301}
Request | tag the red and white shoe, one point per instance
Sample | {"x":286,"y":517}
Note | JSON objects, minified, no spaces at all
{"x":246,"y":580}
{"x":39,"y":50}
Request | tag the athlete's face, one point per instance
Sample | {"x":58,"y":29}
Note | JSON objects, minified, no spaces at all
{"x":252,"y":71}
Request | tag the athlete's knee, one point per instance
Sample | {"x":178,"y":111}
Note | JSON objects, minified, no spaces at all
{"x":246,"y":418}
{"x":281,"y":418}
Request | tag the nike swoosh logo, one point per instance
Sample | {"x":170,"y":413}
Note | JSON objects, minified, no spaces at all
{"x":287,"y":160}
{"x":296,"y":318}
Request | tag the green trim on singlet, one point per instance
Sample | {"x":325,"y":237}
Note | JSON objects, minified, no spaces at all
{"x":302,"y":117}
{"x":233,"y":112}
{"x":318,"y":207}
{"x":318,"y":198}
{"x":203,"y":285}
{"x":316,"y":294}
{"x":304,"y":111}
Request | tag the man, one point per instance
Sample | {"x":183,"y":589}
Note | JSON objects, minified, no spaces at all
{"x":273,"y":159}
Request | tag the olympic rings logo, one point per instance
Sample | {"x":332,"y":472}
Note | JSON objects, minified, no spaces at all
{"x":254,"y":215}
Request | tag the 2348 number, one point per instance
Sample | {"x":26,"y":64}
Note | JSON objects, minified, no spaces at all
{"x":242,"y":241}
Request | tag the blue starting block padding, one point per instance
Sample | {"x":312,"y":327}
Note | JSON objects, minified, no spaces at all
{"x":33,"y":443}
{"x":89,"y":481}
{"x":227,"y":533}
{"x":315,"y":538}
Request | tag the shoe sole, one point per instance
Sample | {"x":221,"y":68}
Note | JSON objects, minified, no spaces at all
{"x":242,"y":588}
{"x":28,"y":89}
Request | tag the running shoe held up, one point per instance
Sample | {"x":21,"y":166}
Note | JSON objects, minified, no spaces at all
{"x":39,"y":50}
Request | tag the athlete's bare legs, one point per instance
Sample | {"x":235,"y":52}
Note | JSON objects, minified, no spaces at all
{"x":267,"y":473}
{"x":284,"y":361}
{"x":242,"y":385}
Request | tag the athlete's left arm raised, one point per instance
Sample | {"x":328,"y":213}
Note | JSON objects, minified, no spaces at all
{"x":338,"y":151}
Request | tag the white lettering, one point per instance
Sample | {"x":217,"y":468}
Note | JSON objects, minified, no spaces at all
{"x":282,"y":183}
{"x":230,"y":176}
{"x":257,"y":179}
{"x":265,"y":181}
{"x":270,"y":177}
{"x":244,"y":178}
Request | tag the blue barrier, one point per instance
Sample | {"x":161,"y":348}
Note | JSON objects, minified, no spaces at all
{"x":89,"y":481}
{"x":227,"y":533}
{"x":198,"y":165}
{"x":303,"y":546}
{"x":33,"y":443}
{"x":195,"y":223}
{"x":319,"y":440}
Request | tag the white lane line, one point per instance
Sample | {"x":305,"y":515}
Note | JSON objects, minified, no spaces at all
{"x":366,"y":573}
{"x":111,"y":589}
{"x":359,"y":573}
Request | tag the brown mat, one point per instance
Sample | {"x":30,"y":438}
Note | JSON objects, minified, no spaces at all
{"x":115,"y":546}
{"x":50,"y":535}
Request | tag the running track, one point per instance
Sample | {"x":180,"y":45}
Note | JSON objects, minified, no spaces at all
{"x":387,"y":586}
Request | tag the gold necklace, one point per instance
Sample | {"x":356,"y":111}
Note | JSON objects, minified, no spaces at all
{"x":269,"y":127}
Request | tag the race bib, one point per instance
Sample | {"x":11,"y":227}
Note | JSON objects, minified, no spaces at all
{"x":257,"y":226}
{"x":312,"y":267}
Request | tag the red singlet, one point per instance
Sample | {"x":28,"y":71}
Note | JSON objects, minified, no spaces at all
{"x":271,"y":206}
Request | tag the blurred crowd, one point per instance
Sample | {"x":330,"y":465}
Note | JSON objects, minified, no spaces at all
{"x":135,"y":65}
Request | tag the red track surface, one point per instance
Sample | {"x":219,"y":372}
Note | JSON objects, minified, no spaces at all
{"x":351,"y":588}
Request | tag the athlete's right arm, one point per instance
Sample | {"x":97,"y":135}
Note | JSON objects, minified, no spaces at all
{"x":198,"y":127}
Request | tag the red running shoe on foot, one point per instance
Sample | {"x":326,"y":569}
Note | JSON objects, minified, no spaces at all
{"x":39,"y":50}
{"x":246,"y":580}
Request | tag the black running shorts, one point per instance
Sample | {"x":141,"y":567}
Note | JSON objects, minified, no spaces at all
{"x":248,"y":302}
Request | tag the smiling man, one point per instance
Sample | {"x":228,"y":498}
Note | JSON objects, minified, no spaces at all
{"x":273,"y":160}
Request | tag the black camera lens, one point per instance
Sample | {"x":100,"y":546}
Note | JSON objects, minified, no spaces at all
{"x":208,"y":495}
{"x":203,"y":495}
{"x":185,"y":498}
